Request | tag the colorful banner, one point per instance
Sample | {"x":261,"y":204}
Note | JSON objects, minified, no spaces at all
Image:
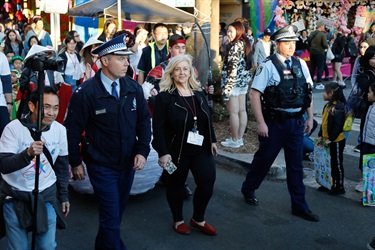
{"x":261,"y":15}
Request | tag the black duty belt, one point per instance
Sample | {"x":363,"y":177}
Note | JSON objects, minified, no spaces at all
{"x":282,"y":115}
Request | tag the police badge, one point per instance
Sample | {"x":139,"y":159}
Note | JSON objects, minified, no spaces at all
{"x":259,"y":70}
{"x":297,"y":71}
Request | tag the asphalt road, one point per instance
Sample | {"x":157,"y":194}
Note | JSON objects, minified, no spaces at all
{"x":345,"y":223}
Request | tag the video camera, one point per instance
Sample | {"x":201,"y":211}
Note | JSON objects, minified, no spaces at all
{"x":38,"y":60}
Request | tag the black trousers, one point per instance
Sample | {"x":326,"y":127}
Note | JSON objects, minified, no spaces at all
{"x":202,"y":166}
{"x":317,"y":62}
{"x":337,"y":167}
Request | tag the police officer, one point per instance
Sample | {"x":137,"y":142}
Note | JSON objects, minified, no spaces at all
{"x":280,"y":94}
{"x":111,"y":109}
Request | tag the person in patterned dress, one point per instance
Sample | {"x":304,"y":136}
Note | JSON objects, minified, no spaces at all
{"x":235,"y":80}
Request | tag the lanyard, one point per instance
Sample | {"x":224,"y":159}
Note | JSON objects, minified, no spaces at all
{"x":194,"y":112}
{"x":71,"y":59}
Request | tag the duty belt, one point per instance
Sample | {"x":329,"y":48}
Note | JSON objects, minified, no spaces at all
{"x":282,"y":115}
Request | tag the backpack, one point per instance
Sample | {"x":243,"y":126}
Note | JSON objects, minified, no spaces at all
{"x":351,"y":49}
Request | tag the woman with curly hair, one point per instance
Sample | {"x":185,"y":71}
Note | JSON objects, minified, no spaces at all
{"x":235,"y":82}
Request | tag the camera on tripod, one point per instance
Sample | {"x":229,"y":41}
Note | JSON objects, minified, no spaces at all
{"x":37,"y":59}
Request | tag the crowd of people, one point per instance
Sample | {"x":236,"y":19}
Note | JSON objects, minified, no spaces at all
{"x":137,"y":92}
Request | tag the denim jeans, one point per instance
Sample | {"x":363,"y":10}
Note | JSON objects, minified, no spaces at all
{"x":17,"y":237}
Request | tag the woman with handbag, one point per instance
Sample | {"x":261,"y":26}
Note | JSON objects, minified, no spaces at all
{"x":338,"y":47}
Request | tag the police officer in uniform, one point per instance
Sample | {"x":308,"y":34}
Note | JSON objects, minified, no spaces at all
{"x":280,"y":94}
{"x":110,"y":107}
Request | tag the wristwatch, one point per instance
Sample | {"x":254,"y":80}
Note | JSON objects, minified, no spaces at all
{"x":10,"y":103}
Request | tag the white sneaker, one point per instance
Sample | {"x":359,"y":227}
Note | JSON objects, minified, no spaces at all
{"x":239,"y":140}
{"x":359,"y":187}
{"x":231,"y":144}
{"x":319,"y":86}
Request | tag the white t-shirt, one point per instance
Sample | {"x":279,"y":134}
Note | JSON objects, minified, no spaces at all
{"x":4,"y":70}
{"x":17,"y":138}
{"x":72,"y":67}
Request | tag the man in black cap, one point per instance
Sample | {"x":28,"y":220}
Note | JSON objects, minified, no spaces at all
{"x":263,"y":48}
{"x":111,"y":109}
{"x":280,"y":95}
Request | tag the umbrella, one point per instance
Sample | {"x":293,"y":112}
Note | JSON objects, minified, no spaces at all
{"x":134,"y":10}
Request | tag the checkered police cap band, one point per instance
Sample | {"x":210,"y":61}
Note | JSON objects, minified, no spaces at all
{"x":286,"y":34}
{"x":115,"y":46}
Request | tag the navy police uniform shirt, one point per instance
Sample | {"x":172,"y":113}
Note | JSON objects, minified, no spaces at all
{"x":267,"y":75}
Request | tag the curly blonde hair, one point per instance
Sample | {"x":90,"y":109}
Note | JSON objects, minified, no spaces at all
{"x":167,"y":83}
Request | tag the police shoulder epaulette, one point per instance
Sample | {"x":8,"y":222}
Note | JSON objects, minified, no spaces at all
{"x":267,"y":59}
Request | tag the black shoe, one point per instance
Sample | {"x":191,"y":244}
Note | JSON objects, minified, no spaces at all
{"x":252,"y":201}
{"x":337,"y":191}
{"x":357,"y":149}
{"x":307,"y":215}
{"x":323,"y":189}
{"x":371,"y":245}
{"x":188,"y":192}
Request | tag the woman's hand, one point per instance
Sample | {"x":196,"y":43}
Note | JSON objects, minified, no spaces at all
{"x":214,"y":149}
{"x":154,"y":92}
{"x":163,"y":160}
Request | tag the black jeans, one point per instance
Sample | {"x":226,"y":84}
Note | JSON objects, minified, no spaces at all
{"x":317,"y":62}
{"x":202,"y":166}
{"x":337,"y":167}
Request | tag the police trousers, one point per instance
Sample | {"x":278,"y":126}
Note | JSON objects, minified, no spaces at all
{"x":288,"y":135}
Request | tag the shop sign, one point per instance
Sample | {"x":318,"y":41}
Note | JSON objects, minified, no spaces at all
{"x":300,"y":24}
{"x":53,"y":6}
{"x":330,"y":23}
{"x":360,"y":22}
{"x":179,"y":3}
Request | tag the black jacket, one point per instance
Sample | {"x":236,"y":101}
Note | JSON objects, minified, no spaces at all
{"x":364,"y":80}
{"x":336,"y":120}
{"x":116,"y":131}
{"x":169,"y":123}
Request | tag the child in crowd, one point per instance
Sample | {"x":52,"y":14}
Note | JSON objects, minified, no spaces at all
{"x":331,"y":133}
{"x":368,"y":136}
{"x":9,"y":54}
{"x":15,"y":77}
{"x":17,"y":63}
